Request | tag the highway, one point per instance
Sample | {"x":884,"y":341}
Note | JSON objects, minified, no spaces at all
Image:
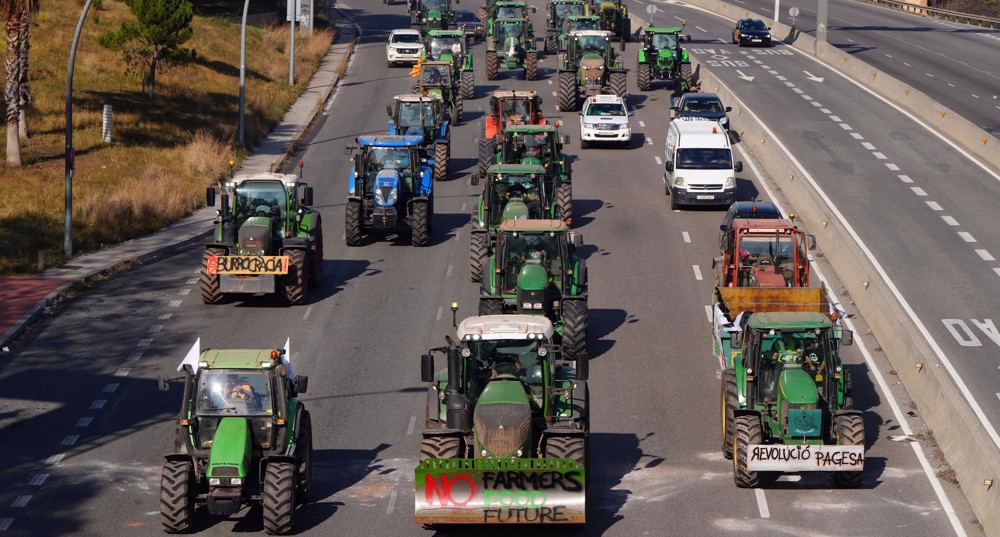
{"x":90,"y":429}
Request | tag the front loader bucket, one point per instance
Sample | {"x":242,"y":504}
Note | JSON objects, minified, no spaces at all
{"x":500,"y":491}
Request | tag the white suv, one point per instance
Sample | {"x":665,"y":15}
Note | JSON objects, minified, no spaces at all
{"x":604,"y":118}
{"x":403,"y":46}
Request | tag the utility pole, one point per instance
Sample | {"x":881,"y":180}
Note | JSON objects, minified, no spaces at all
{"x":243,"y":69}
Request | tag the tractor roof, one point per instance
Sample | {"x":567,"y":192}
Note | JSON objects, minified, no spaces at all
{"x":511,"y":20}
{"x":591,"y":33}
{"x":238,"y":359}
{"x":436,"y":63}
{"x":510,"y":3}
{"x":526,"y":129}
{"x":287,"y":178}
{"x":764,"y":225}
{"x":505,"y":327}
{"x":414,"y":98}
{"x":446,"y":33}
{"x":789,"y":320}
{"x":542,"y":226}
{"x":583,"y":18}
{"x":517,"y":169}
{"x":671,"y":30}
{"x":519,"y":94}
{"x":563,"y":2}
{"x":389,"y":140}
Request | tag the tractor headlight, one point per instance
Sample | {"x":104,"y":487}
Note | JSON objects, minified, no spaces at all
{"x":466,"y":352}
{"x":214,"y":481}
{"x":730,"y":182}
{"x":526,"y":305}
{"x":382,"y":199}
{"x":538,"y":305}
{"x":542,"y":351}
{"x":236,"y":481}
{"x":679,"y":181}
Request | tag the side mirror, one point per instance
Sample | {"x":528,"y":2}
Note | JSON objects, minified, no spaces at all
{"x":535,"y":10}
{"x":729,"y":109}
{"x":668,"y":165}
{"x":631,"y":113}
{"x":847,"y":337}
{"x":687,"y":38}
{"x":810,"y":242}
{"x":307,"y":198}
{"x":580,"y":113}
{"x":735,"y":339}
{"x":739,"y":166}
{"x":673,"y":113}
{"x":164,"y":383}
{"x":388,"y":110}
{"x":210,"y":197}
{"x":583,"y":366}
{"x":301,"y":383}
{"x":348,"y":150}
{"x":576,"y":239}
{"x":722,"y":227}
{"x":475,"y":179}
{"x":426,"y":368}
{"x":565,"y":139}
{"x":622,"y":43}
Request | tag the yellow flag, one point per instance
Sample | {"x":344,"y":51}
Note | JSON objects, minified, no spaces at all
{"x":416,"y":69}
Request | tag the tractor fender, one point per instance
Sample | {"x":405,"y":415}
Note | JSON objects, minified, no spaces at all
{"x":684,"y":56}
{"x":642,"y":56}
{"x":295,"y":243}
{"x":179,"y":457}
{"x":392,"y":128}
{"x":267,"y":459}
{"x":444,"y":431}
{"x":310,"y":224}
{"x":354,"y":198}
{"x":443,"y":134}
{"x":843,"y":412}
{"x":426,"y":181}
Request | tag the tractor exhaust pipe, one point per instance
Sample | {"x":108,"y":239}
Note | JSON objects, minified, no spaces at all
{"x":456,"y":402}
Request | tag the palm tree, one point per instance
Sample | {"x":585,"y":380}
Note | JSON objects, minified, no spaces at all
{"x":18,"y":15}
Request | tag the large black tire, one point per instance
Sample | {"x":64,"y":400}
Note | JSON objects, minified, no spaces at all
{"x":487,"y":156}
{"x":730,"y":402}
{"x":490,"y":306}
{"x":468,"y":84}
{"x":176,"y":498}
{"x":566,"y":92}
{"x":316,"y":256}
{"x":643,"y":75}
{"x":211,"y":292}
{"x":551,"y":43}
{"x":279,"y":498}
{"x":566,"y":447}
{"x":440,"y":447}
{"x":441,"y":158}
{"x":618,"y":83}
{"x":686,"y":73}
{"x":564,"y":202}
{"x":352,"y":225}
{"x":304,"y":454}
{"x":477,"y":256}
{"x":746,"y":431}
{"x":456,"y":113}
{"x":850,"y":431}
{"x":492,"y":65}
{"x":420,"y":231}
{"x":574,"y":338}
{"x":531,"y":65}
{"x":297,"y":279}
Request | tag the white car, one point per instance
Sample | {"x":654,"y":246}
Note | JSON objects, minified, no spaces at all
{"x":604,"y":118}
{"x":403,"y":46}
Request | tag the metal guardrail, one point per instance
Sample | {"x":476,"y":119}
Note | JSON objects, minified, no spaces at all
{"x":939,"y":13}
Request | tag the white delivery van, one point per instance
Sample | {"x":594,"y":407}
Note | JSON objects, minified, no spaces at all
{"x":699,"y":167}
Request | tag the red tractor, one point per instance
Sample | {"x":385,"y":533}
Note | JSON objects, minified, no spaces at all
{"x":763,"y":253}
{"x":507,"y":108}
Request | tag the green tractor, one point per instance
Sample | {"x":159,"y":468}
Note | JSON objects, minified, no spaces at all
{"x":786,"y":399}
{"x":450,"y":46}
{"x":511,"y":42}
{"x":513,"y":192}
{"x":556,"y":12}
{"x":574,"y":24}
{"x":533,"y":269}
{"x":435,"y":78}
{"x":507,"y":428}
{"x":590,"y":66}
{"x":614,"y":18}
{"x":267,"y":241}
{"x":431,"y":14}
{"x":503,"y":9}
{"x":242,"y":438}
{"x":662,"y":58}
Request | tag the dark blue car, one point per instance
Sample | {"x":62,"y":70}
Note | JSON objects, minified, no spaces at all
{"x":705,"y":105}
{"x":751,"y":32}
{"x":468,"y":22}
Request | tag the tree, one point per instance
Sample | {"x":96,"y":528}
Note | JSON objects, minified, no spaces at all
{"x":18,"y":15}
{"x":154,"y":38}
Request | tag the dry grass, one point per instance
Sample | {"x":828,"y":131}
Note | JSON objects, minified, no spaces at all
{"x":163,"y":152}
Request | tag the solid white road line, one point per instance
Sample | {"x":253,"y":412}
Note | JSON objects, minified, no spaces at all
{"x":762,"y":503}
{"x":409,"y":428}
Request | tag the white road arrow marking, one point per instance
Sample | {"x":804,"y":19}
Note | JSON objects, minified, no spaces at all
{"x":813,"y":78}
{"x":745,"y":77}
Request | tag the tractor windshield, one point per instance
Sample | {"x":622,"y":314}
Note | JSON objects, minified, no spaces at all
{"x":436,"y":75}
{"x":234,"y":392}
{"x":590,"y":43}
{"x":416,"y":114}
{"x":441,"y":45}
{"x":569,"y":10}
{"x":435,"y":5}
{"x":510,"y":12}
{"x":704,"y":159}
{"x":664,"y":41}
{"x":513,"y":107}
{"x":522,"y":249}
{"x":583,"y":24}
{"x":259,"y":198}
{"x":528,"y":145}
{"x":388,"y":158}
{"x":506,"y":357}
{"x":518,"y":188}
{"x":792,"y":350}
{"x":511,"y":29}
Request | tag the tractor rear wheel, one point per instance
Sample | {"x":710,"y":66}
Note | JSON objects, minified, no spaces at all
{"x":441,"y":161}
{"x":303,"y":455}
{"x":420,"y":224}
{"x":730,"y":402}
{"x":316,"y":253}
{"x":490,"y":306}
{"x":477,"y":256}
{"x":492,"y":65}
{"x":574,"y":319}
{"x":566,"y":92}
{"x":440,"y":447}
{"x":746,"y":431}
{"x":176,"y":498}
{"x":551,"y":43}
{"x":643,"y":74}
{"x":297,"y":278}
{"x":279,"y":498}
{"x":352,"y":225}
{"x":564,"y":202}
{"x":618,"y":83}
{"x":531,"y":65}
{"x":566,"y":447}
{"x":211,"y":292}
{"x":850,"y":431}
{"x":686,"y":73}
{"x":468,"y":84}
{"x":487,"y":155}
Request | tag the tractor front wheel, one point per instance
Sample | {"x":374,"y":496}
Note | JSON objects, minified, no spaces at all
{"x":551,"y":43}
{"x":176,"y":498}
{"x":211,"y":292}
{"x":574,"y":319}
{"x":352,"y":224}
{"x":303,"y":456}
{"x":564,"y":202}
{"x":566,"y":92}
{"x":440,"y":447}
{"x":746,"y":432}
{"x":420,"y":224}
{"x":643,"y":75}
{"x":297,"y":278}
{"x":490,"y":306}
{"x":618,"y":83}
{"x":279,"y":498}
{"x":477,"y":256}
{"x":686,"y":74}
{"x":531,"y":65}
{"x":441,"y":161}
{"x":730,"y":402}
{"x":468,"y":84}
{"x":492,"y":65}
{"x":850,"y":431}
{"x":566,"y":447}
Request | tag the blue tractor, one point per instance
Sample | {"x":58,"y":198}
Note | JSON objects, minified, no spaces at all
{"x":424,"y":116}
{"x":389,"y":188}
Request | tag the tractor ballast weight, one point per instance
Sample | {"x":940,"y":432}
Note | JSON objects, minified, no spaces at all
{"x":763,"y":253}
{"x":590,"y":66}
{"x":661,"y":57}
{"x":506,"y":406}
{"x":511,"y":43}
{"x":242,"y":438}
{"x":426,"y":116}
{"x":266,"y":240}
{"x":389,"y":189}
{"x":786,"y":399}
{"x":555,"y":12}
{"x":439,"y":46}
{"x":431,"y":14}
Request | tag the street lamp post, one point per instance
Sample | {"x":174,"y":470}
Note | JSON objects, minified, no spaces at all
{"x":70,"y":153}
{"x":243,"y":68}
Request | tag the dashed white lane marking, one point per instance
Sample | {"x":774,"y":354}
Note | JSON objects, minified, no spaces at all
{"x":98,"y":404}
{"x":549,"y":81}
{"x":762,"y":66}
{"x":184,"y":292}
{"x":952,"y":85}
{"x":702,"y":29}
{"x":553,"y":94}
{"x":464,"y":207}
{"x":165,"y":317}
{"x":985,"y":255}
{"x":687,"y":237}
{"x":888,"y":56}
{"x":174,"y":304}
{"x":906,"y":179}
{"x":155,"y":328}
{"x":649,"y":141}
{"x":930,"y":75}
{"x":409,"y":428}
{"x":817,"y":104}
{"x":935,"y":206}
{"x":824,"y":110}
{"x":38,"y":479}
{"x":458,"y":234}
{"x":892,"y":167}
{"x":762,"y":503}
{"x":781,"y":78}
{"x":55,"y":459}
{"x":145,"y":342}
{"x":191,"y":281}
{"x":642,"y":123}
{"x":85,"y":422}
{"x":21,"y":501}
{"x":440,"y":312}
{"x":134,"y":357}
{"x":974,"y":95}
{"x":658,"y":161}
{"x":878,"y":155}
{"x":450,"y":269}
{"x":966,"y":236}
{"x":845,"y":126}
{"x":918,"y":191}
{"x":70,"y":440}
{"x":950,"y":220}
{"x":857,"y":136}
{"x":851,"y":40}
{"x":790,"y":84}
{"x":997,"y":270}
{"x":309,"y":311}
{"x":697,"y":272}
{"x":708,"y":313}
{"x":122,"y":372}
{"x":868,"y":145}
{"x":835,"y":119}
{"x":110,"y":388}
{"x":797,"y":90}
{"x":392,"y":503}
{"x":806,"y":97}
{"x":5,"y":523}
{"x":468,"y":182}
{"x":772,"y":71}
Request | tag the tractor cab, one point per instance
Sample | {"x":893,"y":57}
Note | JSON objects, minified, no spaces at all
{"x":435,"y":78}
{"x":764,"y":253}
{"x":533,"y":264}
{"x":558,"y":11}
{"x":614,"y":18}
{"x":431,"y":14}
{"x":445,"y":46}
{"x":510,"y":10}
{"x":580,"y":22}
{"x":532,"y":144}
{"x":417,"y":114}
{"x":514,"y":192}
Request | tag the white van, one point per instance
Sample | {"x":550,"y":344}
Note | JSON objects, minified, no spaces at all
{"x":699,"y":166}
